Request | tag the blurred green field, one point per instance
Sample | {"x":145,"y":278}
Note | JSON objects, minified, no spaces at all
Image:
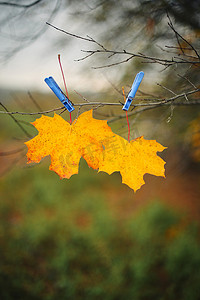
{"x":62,"y":240}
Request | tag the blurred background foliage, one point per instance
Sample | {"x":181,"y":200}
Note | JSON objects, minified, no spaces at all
{"x":64,"y":240}
{"x":91,"y":237}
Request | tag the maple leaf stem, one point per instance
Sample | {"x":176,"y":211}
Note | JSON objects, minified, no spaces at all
{"x":126,"y":116}
{"x":63,"y":76}
{"x":128,"y":126}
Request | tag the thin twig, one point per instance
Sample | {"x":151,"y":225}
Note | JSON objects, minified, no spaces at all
{"x":16,"y":121}
{"x":82,"y":96}
{"x":165,"y":88}
{"x":114,"y":64}
{"x":71,"y":34}
{"x":32,"y":114}
{"x":183,"y":77}
{"x":34,"y":101}
{"x":178,"y":34}
{"x":20,"y":5}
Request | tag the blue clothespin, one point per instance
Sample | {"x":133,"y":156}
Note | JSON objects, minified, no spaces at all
{"x":133,"y":90}
{"x":59,"y":93}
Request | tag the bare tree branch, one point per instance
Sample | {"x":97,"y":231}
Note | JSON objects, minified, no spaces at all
{"x":20,"y":5}
{"x":146,"y":58}
{"x":143,"y":106}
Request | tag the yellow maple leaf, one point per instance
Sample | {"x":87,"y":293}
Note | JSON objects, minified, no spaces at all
{"x":66,"y":143}
{"x":132,"y":159}
{"x":94,"y":141}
